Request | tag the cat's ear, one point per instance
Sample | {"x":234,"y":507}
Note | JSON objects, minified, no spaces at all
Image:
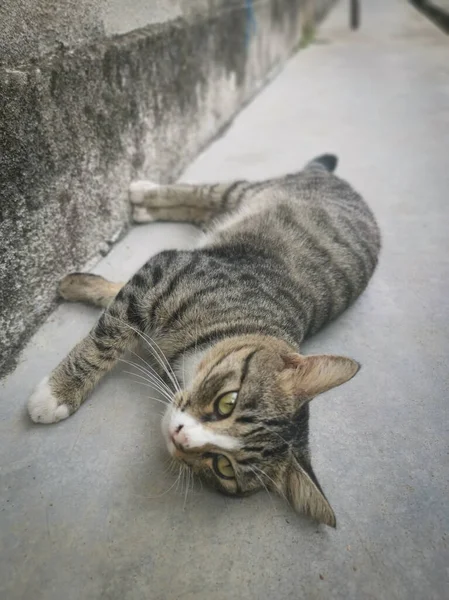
{"x":304,"y":493}
{"x":307,"y":376}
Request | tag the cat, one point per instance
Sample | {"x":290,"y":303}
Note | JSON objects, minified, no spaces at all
{"x":276,"y":261}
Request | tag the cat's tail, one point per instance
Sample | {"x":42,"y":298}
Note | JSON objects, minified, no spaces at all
{"x":89,"y":288}
{"x":324,"y":161}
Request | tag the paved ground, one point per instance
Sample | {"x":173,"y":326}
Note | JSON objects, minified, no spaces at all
{"x":83,"y":512}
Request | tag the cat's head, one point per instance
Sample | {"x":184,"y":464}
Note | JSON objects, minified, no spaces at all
{"x":242,"y":425}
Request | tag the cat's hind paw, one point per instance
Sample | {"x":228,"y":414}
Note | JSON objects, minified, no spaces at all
{"x":43,"y":407}
{"x":142,"y":215}
{"x":139,"y":190}
{"x":141,"y":195}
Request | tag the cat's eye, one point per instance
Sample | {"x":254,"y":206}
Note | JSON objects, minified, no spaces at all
{"x":223,"y":467}
{"x":226,"y":404}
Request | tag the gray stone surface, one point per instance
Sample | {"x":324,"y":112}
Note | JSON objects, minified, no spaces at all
{"x":86,"y":507}
{"x":83,"y":120}
{"x":32,"y":28}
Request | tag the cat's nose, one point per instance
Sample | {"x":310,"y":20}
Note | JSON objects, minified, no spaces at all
{"x":178,"y":436}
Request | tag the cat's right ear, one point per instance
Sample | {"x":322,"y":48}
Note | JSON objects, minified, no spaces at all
{"x":304,"y":377}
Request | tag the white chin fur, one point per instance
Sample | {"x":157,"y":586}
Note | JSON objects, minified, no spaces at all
{"x":43,"y":407}
{"x":171,"y":448}
{"x":164,"y":425}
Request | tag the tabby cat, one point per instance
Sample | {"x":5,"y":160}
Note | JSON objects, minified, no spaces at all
{"x":276,"y":261}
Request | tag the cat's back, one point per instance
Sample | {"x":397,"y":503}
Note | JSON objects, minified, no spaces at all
{"x":317,"y":230}
{"x":321,"y":210}
{"x":293,"y":214}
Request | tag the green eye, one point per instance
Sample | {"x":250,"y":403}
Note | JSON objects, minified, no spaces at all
{"x":226,"y":404}
{"x":223,"y":467}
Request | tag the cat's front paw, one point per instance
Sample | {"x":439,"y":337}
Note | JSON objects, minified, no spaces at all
{"x":43,"y":407}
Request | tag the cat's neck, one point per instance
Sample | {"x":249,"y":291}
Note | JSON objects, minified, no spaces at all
{"x":185,"y":367}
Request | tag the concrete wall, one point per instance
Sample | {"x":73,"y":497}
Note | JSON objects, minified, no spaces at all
{"x":84,"y":111}
{"x":33,"y":28}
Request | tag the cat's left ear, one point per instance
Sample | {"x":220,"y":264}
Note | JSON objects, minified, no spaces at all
{"x":304,"y":493}
{"x":304,"y":377}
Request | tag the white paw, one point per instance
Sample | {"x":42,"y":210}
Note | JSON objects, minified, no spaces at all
{"x":43,"y":406}
{"x":141,"y":215}
{"x":139,"y":189}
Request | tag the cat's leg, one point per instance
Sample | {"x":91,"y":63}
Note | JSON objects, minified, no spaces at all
{"x":197,"y":204}
{"x":62,"y":393}
{"x":89,"y":288}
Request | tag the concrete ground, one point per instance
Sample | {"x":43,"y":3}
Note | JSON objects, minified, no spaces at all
{"x":86,"y":506}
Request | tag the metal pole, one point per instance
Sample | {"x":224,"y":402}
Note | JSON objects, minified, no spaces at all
{"x":354,"y":16}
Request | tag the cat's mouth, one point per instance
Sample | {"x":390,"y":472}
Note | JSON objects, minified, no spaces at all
{"x":181,"y":457}
{"x":175,"y":450}
{"x":182,"y":453}
{"x":188,"y":458}
{"x":178,"y":451}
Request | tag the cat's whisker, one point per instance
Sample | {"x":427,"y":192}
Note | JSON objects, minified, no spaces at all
{"x":276,"y":433}
{"x":263,"y":485}
{"x":153,"y":371}
{"x":166,"y":491}
{"x":189,"y":474}
{"x":196,"y":336}
{"x":171,"y":465}
{"x":181,"y":473}
{"x":152,"y":397}
{"x":184,"y":480}
{"x":183,"y":366}
{"x":149,"y":341}
{"x":149,"y":383}
{"x":149,"y":379}
{"x":272,"y":480}
{"x":165,"y":400}
{"x":162,"y":360}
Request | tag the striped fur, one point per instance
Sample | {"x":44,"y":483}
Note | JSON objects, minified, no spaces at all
{"x":277,"y":261}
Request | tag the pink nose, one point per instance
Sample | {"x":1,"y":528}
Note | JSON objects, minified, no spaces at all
{"x":178,"y":436}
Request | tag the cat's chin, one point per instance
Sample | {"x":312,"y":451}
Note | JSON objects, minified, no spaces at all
{"x":172,"y":450}
{"x":164,"y":426}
